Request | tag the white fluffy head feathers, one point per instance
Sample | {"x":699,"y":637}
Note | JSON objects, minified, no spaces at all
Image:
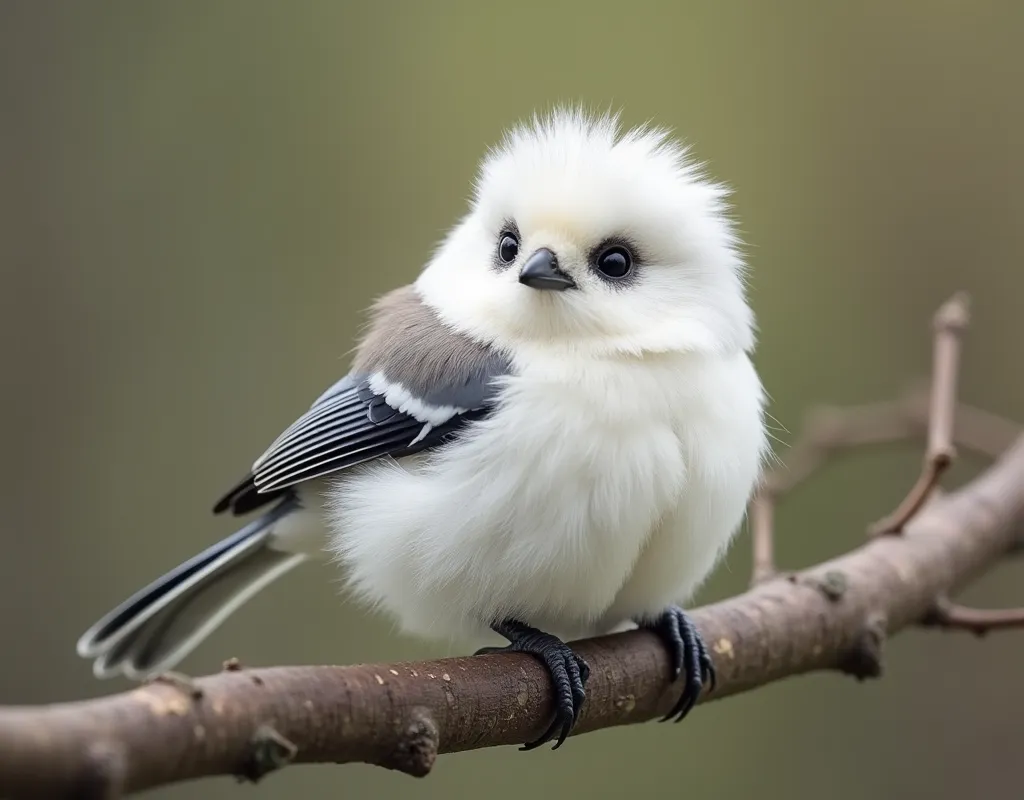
{"x":624,"y":219}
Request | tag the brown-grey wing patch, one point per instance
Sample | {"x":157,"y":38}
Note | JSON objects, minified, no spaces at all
{"x":410,"y":350}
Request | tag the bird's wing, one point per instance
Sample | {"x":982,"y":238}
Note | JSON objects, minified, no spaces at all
{"x":410,"y":394}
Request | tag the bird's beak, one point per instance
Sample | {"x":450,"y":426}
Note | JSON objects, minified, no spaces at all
{"x":541,"y":272}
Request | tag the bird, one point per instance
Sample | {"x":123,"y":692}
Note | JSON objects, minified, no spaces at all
{"x":552,"y":432}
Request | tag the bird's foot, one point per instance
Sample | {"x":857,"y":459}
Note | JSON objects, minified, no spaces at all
{"x":687,"y":653}
{"x":568,"y":672}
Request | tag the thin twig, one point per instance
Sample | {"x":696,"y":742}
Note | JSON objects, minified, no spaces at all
{"x":830,"y":432}
{"x":762,"y":511}
{"x":950,"y":322}
{"x":979,"y":621}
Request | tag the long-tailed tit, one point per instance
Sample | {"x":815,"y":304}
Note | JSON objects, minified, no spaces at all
{"x":552,"y":433}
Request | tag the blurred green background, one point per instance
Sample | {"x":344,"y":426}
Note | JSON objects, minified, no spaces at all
{"x":197,"y":200}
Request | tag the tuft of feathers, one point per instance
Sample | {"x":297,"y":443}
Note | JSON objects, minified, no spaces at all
{"x":570,"y":135}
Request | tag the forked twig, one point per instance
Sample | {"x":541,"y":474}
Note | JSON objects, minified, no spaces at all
{"x":947,"y":424}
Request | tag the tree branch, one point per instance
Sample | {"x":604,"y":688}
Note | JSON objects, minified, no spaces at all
{"x":833,"y":616}
{"x":248,"y":722}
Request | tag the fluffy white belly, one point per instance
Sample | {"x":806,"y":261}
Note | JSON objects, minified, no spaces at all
{"x":584,"y":500}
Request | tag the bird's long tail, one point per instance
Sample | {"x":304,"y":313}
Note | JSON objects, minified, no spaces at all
{"x":154,"y":629}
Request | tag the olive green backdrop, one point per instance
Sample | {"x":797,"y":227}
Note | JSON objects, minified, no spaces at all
{"x":198,"y":198}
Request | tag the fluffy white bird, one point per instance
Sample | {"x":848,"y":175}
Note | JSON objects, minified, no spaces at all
{"x":552,"y":433}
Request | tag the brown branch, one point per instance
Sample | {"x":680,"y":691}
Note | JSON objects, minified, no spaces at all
{"x":249,"y":721}
{"x":950,"y":322}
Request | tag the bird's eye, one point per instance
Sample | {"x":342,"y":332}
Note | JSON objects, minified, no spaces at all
{"x":615,"y":262}
{"x":508,"y":247}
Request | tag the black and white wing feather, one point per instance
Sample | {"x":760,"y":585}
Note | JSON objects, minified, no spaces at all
{"x":350,"y":426}
{"x":407,"y":396}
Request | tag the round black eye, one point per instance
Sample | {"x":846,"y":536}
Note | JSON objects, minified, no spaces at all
{"x":615,"y":262}
{"x":508,"y":247}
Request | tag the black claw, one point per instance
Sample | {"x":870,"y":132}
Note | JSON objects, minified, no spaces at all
{"x":569,"y":674}
{"x":687,"y":653}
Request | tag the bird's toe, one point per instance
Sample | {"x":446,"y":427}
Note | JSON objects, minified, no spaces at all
{"x":688,"y":655}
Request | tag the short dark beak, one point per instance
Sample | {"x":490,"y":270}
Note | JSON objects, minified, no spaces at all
{"x":541,"y":272}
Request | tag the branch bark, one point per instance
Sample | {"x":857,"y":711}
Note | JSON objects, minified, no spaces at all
{"x":247,"y":722}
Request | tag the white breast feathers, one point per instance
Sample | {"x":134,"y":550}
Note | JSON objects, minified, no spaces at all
{"x":595,"y":493}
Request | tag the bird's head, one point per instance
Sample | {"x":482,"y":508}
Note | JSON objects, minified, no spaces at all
{"x":603,"y":242}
